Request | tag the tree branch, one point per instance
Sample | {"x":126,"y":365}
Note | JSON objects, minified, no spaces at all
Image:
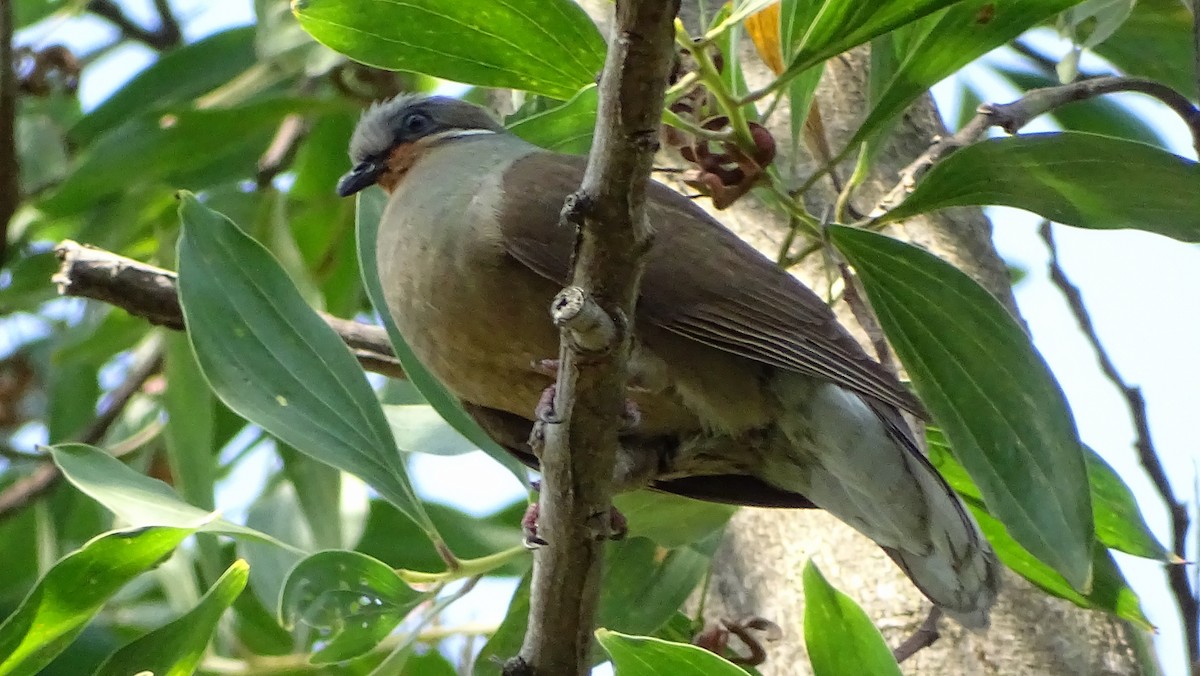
{"x":1012,"y":116}
{"x":167,"y":36}
{"x":1177,"y":576}
{"x":148,"y":292}
{"x":580,"y":443}
{"x":926,"y":635}
{"x":10,"y":184}
{"x":47,"y":475}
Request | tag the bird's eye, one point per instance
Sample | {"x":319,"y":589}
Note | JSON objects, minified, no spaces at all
{"x":415,"y":123}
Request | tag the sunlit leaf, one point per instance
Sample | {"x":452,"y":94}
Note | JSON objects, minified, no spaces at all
{"x":74,"y":590}
{"x":546,"y":46}
{"x":990,"y":392}
{"x":648,"y":656}
{"x":963,"y":33}
{"x":176,"y":648}
{"x":840,"y":638}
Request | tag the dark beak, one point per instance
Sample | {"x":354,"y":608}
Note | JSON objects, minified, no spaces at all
{"x":362,"y":176}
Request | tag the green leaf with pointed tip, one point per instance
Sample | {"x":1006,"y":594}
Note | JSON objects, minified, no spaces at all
{"x":370,"y":204}
{"x":74,"y":590}
{"x":1119,"y":522}
{"x":840,"y":638}
{"x":1109,"y":592}
{"x":1073,"y":178}
{"x":351,"y":599}
{"x":963,"y":33}
{"x":271,"y":359}
{"x":816,"y":31}
{"x":176,"y":648}
{"x":671,"y":520}
{"x":565,"y":129}
{"x":989,"y":391}
{"x":136,"y":498}
{"x":648,"y":656}
{"x":545,"y":46}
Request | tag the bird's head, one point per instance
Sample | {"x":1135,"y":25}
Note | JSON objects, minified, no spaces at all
{"x":393,"y":134}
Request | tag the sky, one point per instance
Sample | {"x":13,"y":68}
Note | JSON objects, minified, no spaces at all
{"x":1142,"y":290}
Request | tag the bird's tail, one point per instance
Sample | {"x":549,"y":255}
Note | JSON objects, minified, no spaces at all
{"x":856,"y":458}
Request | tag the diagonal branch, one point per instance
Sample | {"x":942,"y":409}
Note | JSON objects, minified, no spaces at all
{"x":148,"y":292}
{"x":1012,"y":116}
{"x":580,"y":443}
{"x":167,"y":36}
{"x":1177,"y":576}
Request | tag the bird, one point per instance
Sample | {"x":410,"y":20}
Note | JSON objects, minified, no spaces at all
{"x":748,"y":390}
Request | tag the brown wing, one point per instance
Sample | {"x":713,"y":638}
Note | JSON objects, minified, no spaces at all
{"x":701,"y":282}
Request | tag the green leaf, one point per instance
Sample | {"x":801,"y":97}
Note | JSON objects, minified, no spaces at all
{"x":647,"y":656}
{"x":136,"y":498}
{"x":671,"y":520}
{"x":351,"y":599}
{"x":815,"y":31}
{"x":271,"y":359}
{"x":1155,"y":42}
{"x":840,"y":638}
{"x":194,"y":148}
{"x":370,"y":204}
{"x":963,"y":33}
{"x":189,"y":405}
{"x":172,"y":79}
{"x":176,"y":648}
{"x":645,"y":584}
{"x":1109,"y":592}
{"x":74,"y":590}
{"x":319,"y":492}
{"x":419,"y":428}
{"x":565,"y":129}
{"x":1073,"y":178}
{"x":1119,"y":522}
{"x":989,"y":391}
{"x":545,"y":46}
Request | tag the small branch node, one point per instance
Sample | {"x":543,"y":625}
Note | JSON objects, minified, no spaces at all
{"x":589,"y":326}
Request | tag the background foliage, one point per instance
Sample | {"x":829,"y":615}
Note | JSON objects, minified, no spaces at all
{"x":146,"y":426}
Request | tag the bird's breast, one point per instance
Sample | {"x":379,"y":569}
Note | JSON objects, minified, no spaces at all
{"x":474,"y":316}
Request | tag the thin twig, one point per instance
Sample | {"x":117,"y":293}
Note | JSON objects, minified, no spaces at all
{"x":47,"y":475}
{"x":925,"y":635}
{"x":1177,"y":576}
{"x":10,"y":184}
{"x":580,"y":437}
{"x":1012,"y":116}
{"x":167,"y":36}
{"x":150,"y":293}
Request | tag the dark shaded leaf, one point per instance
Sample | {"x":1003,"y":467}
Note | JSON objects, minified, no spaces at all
{"x":270,"y":358}
{"x":1119,"y":522}
{"x":352,"y":600}
{"x":989,"y":391}
{"x":1072,"y":178}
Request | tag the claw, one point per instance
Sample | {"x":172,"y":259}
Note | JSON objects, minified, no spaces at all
{"x":544,"y":411}
{"x":529,"y":524}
